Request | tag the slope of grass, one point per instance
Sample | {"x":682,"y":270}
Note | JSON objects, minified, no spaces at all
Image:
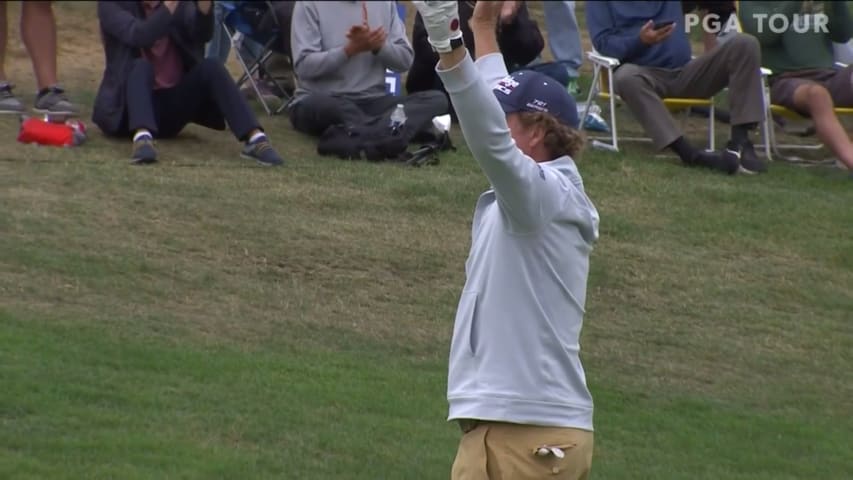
{"x":206,"y":318}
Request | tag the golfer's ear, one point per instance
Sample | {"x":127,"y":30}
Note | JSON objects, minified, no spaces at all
{"x":537,"y":135}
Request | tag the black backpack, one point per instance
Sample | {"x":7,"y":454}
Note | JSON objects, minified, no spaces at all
{"x":374,"y":142}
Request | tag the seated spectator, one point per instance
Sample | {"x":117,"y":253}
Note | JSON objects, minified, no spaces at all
{"x":157,"y":80}
{"x":341,"y":51}
{"x":804,"y":78}
{"x":656,"y":63}
{"x":519,"y":39}
{"x":38,"y":30}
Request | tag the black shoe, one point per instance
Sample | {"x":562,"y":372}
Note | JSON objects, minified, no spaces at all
{"x":727,"y":161}
{"x":144,"y":152}
{"x":262,"y":152}
{"x":749,"y":161}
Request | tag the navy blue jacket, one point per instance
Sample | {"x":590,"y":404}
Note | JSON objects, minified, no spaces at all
{"x":125,"y":32}
{"x":614,"y":29}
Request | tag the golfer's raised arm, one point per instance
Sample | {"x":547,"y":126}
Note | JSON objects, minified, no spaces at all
{"x":517,"y":180}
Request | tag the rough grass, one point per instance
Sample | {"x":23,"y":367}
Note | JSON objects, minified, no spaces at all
{"x":207,"y":318}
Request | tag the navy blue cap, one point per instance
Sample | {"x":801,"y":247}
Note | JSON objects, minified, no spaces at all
{"x":530,"y":91}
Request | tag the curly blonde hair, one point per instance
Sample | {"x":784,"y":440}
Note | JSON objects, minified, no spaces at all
{"x":560,"y":139}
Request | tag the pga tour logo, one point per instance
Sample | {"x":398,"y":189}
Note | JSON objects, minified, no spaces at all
{"x":765,"y":22}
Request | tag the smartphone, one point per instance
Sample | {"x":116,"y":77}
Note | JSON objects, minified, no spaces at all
{"x":661,"y":25}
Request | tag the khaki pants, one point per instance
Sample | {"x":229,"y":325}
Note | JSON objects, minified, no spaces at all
{"x":503,"y":451}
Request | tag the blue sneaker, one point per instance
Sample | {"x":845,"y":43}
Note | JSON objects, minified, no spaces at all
{"x":595,"y":123}
{"x":262,"y":152}
{"x":144,"y":152}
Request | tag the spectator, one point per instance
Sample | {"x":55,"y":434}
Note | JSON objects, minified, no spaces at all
{"x":157,"y":93}
{"x":656,"y":63}
{"x":564,"y":38}
{"x":804,"y":78}
{"x":341,"y":51}
{"x":38,"y":30}
{"x":518,"y":36}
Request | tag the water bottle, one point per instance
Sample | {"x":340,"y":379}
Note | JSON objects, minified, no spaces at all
{"x":398,"y":118}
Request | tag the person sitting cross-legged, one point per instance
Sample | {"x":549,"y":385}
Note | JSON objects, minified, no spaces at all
{"x":157,"y":80}
{"x":650,"y":41}
{"x":341,"y":51}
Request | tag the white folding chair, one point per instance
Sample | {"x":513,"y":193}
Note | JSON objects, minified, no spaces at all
{"x":602,"y":88}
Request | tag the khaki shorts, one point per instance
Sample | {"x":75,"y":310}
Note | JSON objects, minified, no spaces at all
{"x":503,"y":451}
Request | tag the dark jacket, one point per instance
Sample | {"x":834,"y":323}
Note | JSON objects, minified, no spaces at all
{"x":520,"y":43}
{"x":125,"y":32}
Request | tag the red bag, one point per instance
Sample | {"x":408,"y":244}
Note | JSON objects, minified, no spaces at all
{"x":68,"y":134}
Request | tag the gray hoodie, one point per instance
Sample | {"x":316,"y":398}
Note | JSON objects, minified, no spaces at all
{"x":317,"y":39}
{"x":514,"y":356}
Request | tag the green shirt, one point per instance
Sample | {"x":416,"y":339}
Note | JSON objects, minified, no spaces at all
{"x":791,"y":50}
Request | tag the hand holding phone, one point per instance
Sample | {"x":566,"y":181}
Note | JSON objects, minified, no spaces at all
{"x":652,"y":33}
{"x":662,"y":25}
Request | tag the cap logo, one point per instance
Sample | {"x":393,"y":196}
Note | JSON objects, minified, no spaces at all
{"x":506,"y":86}
{"x":538,"y":105}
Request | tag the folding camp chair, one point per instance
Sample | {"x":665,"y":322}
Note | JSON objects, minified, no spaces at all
{"x":257,"y":21}
{"x":771,"y":145}
{"x":602,"y":88}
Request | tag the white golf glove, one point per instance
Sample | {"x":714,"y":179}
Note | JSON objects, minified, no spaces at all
{"x":441,"y":21}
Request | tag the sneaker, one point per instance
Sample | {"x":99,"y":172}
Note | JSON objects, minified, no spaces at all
{"x":573,"y":87}
{"x":52,"y":100}
{"x":749,"y":161}
{"x":728,"y":161}
{"x":595,"y":123}
{"x":262,"y":152}
{"x":144,"y":152}
{"x":8,"y":102}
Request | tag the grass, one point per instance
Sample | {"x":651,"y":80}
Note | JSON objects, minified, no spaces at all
{"x":206,"y":318}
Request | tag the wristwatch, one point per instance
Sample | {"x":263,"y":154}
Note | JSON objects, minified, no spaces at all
{"x":454,"y":44}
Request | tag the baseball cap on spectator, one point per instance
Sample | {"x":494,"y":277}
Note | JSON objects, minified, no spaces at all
{"x":530,"y":91}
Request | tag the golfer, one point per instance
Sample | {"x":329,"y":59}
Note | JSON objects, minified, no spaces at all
{"x":516,"y":385}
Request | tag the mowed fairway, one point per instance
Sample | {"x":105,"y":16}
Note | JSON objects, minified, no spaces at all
{"x":205,"y":318}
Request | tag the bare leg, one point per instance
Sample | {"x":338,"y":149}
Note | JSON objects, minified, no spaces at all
{"x":815,"y":100}
{"x":3,"y":36}
{"x":38,"y":30}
